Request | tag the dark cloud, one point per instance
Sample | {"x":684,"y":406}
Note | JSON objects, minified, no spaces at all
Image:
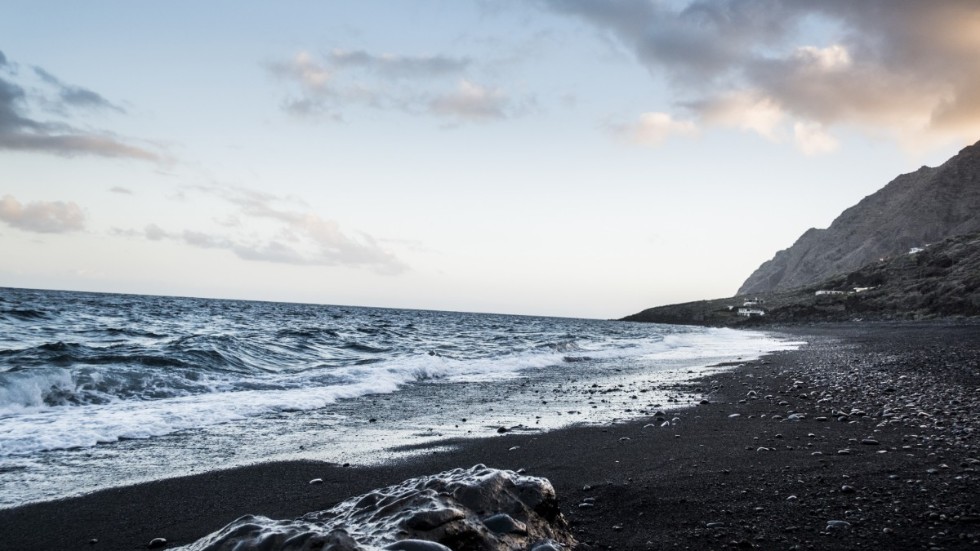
{"x":42,"y":216}
{"x":69,"y":145}
{"x":19,"y":131}
{"x":904,"y":66}
{"x":76,"y":96}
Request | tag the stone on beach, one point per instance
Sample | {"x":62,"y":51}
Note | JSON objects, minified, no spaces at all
{"x":501,"y":510}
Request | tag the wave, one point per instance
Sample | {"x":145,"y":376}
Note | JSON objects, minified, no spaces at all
{"x":115,"y":366}
{"x":24,"y":314}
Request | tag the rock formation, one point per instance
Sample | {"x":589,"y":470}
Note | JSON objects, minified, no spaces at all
{"x":913,"y":210}
{"x":479,"y":509}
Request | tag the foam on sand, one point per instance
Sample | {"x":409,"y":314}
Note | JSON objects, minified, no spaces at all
{"x":475,"y":508}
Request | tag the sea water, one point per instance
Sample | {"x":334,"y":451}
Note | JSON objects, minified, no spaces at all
{"x":100,"y":390}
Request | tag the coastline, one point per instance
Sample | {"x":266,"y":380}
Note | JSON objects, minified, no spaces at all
{"x":662,"y":487}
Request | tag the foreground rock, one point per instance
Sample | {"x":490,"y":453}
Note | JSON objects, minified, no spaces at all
{"x":463,"y":509}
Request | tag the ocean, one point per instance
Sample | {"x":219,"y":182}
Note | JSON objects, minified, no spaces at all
{"x":102,"y":390}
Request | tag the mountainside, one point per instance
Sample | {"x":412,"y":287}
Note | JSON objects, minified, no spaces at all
{"x":913,"y":210}
{"x":941,"y":281}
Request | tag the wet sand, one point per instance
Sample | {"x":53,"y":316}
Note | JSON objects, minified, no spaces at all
{"x":872,"y":426}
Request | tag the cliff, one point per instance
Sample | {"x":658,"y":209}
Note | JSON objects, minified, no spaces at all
{"x":913,"y":210}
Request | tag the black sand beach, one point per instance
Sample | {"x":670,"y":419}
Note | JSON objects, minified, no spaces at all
{"x":872,"y":425}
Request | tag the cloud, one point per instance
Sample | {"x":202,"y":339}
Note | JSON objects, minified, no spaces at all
{"x":76,"y":96}
{"x":743,"y":110}
{"x":121,"y":190}
{"x":905,"y":69}
{"x":41,"y":216}
{"x":471,"y":101}
{"x":325,"y":85}
{"x":154,"y":232}
{"x":654,"y":128}
{"x":811,"y":139}
{"x":398,"y":66}
{"x":20,"y":131}
{"x":305,"y":70}
{"x":291,"y":236}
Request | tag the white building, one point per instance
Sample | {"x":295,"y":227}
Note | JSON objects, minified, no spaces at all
{"x":829,"y":292}
{"x":749,"y":312}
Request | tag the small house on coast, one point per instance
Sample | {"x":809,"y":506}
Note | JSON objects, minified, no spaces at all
{"x":749,"y":312}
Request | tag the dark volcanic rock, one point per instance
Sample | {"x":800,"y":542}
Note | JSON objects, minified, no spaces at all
{"x":941,"y":281}
{"x":925,"y":206}
{"x":445,"y":511}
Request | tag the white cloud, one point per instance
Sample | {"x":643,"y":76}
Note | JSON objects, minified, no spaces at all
{"x":832,"y":58}
{"x":471,"y":101}
{"x":418,"y":85}
{"x":262,"y":226}
{"x":812,"y":139}
{"x":303,"y":68}
{"x":42,"y":216}
{"x":654,"y":128}
{"x":743,"y":110}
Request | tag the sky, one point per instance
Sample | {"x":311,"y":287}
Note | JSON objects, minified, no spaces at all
{"x":578,"y":158}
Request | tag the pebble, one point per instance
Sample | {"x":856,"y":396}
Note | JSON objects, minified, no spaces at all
{"x":838,"y":525}
{"x":157,"y":543}
{"x":734,"y":415}
{"x":870,"y":442}
{"x":316,"y":481}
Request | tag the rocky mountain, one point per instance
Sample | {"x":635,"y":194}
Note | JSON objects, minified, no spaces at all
{"x":913,"y":210}
{"x":940,"y":281}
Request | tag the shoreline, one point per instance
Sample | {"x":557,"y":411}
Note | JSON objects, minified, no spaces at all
{"x":660,"y":487}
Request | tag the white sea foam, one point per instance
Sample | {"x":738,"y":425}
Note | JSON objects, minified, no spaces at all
{"x":25,"y":390}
